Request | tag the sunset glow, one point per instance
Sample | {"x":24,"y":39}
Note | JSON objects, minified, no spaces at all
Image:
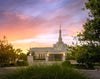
{"x":35,"y":23}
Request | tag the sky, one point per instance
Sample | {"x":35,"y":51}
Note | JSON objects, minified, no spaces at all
{"x":35,"y":23}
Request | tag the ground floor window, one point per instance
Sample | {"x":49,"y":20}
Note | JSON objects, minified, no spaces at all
{"x":39,"y":57}
{"x":55,"y":57}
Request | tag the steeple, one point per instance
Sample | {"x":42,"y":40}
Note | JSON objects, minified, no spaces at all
{"x":60,"y":38}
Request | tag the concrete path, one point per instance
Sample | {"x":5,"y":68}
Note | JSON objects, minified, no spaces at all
{"x":92,"y":74}
{"x":7,"y":70}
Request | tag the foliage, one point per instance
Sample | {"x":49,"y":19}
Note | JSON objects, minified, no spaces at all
{"x":30,"y":52}
{"x":18,"y":63}
{"x":7,"y":64}
{"x":66,"y":63}
{"x":70,"y":56}
{"x":92,"y":26}
{"x":96,"y":64}
{"x":45,"y":72}
{"x":23,"y":56}
{"x":88,"y":52}
{"x":4,"y":65}
{"x":7,"y":52}
{"x":94,"y":7}
{"x":81,"y":66}
{"x":86,"y":55}
{"x":9,"y":55}
{"x":21,"y":63}
{"x":20,"y":55}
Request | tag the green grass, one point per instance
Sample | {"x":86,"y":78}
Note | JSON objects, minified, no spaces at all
{"x":45,"y":72}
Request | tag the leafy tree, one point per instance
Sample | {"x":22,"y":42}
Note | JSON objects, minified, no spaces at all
{"x":21,"y":55}
{"x":7,"y":52}
{"x":18,"y":51}
{"x":9,"y":55}
{"x":71,"y":54}
{"x":89,"y":51}
{"x":91,"y":31}
{"x":31,"y":53}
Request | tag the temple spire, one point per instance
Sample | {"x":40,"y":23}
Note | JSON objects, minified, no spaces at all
{"x":60,"y":38}
{"x":60,"y":26}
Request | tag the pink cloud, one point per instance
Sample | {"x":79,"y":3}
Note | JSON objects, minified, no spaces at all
{"x":20,"y":26}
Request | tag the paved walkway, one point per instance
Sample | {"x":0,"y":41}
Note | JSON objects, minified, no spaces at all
{"x":92,"y":74}
{"x":7,"y":70}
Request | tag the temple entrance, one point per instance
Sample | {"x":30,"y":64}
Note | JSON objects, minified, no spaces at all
{"x":39,"y":57}
{"x":55,"y":57}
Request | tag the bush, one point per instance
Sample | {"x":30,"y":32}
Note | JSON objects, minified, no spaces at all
{"x":18,"y":63}
{"x":97,"y":64}
{"x":7,"y":64}
{"x":80,"y":66}
{"x":46,"y":72}
{"x":21,"y":63}
{"x":70,"y":56}
{"x":4,"y":64}
{"x":66,"y":63}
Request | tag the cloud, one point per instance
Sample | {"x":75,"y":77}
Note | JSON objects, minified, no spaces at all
{"x":15,"y":25}
{"x":50,"y":0}
{"x":17,"y":4}
{"x":26,"y":21}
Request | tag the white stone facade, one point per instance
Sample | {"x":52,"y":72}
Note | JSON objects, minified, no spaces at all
{"x":58,"y":48}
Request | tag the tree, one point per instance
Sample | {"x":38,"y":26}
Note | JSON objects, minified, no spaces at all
{"x":21,"y":55}
{"x":18,"y":51}
{"x":91,"y":31}
{"x":89,"y":51}
{"x":7,"y":52}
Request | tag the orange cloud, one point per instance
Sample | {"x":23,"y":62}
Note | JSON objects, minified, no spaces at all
{"x":20,"y":26}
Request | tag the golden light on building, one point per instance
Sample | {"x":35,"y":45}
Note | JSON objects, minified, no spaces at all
{"x":63,"y":53}
{"x":47,"y":54}
{"x":30,"y":54}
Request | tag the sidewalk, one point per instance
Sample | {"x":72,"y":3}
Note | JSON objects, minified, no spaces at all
{"x":92,"y":74}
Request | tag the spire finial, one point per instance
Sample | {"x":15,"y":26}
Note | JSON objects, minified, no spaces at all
{"x":60,"y":26}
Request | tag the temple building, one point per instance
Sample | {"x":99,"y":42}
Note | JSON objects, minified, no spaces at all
{"x":56,"y":53}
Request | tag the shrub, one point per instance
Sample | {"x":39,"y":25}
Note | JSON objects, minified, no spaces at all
{"x":46,"y":72}
{"x":21,"y":63}
{"x":66,"y":63}
{"x":7,"y":64}
{"x":97,"y":64}
{"x":4,"y":64}
{"x":81,"y":66}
